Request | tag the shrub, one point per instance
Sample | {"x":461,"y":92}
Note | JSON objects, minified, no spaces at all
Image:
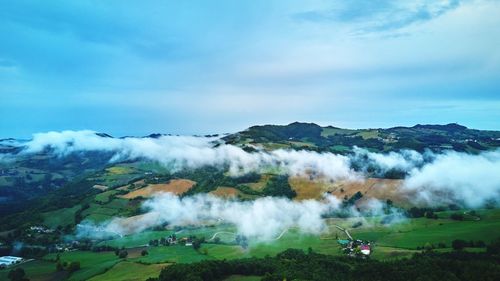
{"x":73,"y":266}
{"x":123,"y":254}
{"x":458,"y":244}
{"x":457,"y":217}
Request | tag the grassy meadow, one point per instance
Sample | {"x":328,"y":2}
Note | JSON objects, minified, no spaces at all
{"x":395,"y":241}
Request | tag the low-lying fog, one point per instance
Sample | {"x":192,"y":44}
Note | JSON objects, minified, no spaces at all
{"x":437,"y":178}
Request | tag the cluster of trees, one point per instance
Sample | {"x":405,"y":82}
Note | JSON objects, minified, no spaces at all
{"x":241,"y":240}
{"x":279,"y":186}
{"x":415,"y":212}
{"x":459,"y":244}
{"x":295,"y":264}
{"x":457,"y":216}
{"x":68,"y":266}
{"x":121,"y":253}
{"x":208,"y":178}
{"x":17,"y":274}
{"x":350,"y":201}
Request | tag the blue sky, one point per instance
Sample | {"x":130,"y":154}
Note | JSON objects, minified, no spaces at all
{"x":195,"y":67}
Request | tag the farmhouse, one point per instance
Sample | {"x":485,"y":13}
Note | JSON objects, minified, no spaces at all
{"x":365,"y":249}
{"x":355,"y":248}
{"x":9,"y":260}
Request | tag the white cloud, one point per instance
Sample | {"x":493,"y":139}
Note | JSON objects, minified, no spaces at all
{"x":457,"y":177}
{"x":262,"y":219}
{"x":450,"y":177}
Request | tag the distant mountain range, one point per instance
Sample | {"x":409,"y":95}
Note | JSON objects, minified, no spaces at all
{"x":338,"y":140}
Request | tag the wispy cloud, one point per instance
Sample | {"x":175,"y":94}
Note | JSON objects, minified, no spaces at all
{"x":370,"y":16}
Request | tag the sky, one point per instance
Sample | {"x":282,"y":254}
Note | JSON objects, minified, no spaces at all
{"x":198,"y":67}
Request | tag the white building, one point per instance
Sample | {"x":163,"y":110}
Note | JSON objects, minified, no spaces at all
{"x":9,"y":260}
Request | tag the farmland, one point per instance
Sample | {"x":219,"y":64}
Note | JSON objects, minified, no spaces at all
{"x":121,"y":192}
{"x":396,"y":241}
{"x":176,"y":186}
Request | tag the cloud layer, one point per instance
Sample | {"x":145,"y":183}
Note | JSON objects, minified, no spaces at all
{"x":435,"y":179}
{"x":457,"y":177}
{"x":261,"y":219}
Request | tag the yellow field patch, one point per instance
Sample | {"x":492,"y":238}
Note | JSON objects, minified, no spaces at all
{"x":370,"y":188}
{"x":258,"y":186}
{"x":308,"y":189}
{"x":224,"y":191}
{"x":119,"y":170}
{"x":177,"y":186}
{"x":373,"y":188}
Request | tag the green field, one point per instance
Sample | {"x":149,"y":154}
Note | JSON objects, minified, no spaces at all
{"x":170,"y":254}
{"x":143,"y":238}
{"x":91,"y":263}
{"x":414,"y":233}
{"x":35,"y":270}
{"x":105,"y":197}
{"x":399,"y":240}
{"x":61,"y":217}
{"x":129,"y":271}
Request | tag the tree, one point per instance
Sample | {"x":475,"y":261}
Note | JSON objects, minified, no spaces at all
{"x":73,"y":266}
{"x":123,"y":254}
{"x":458,"y":244}
{"x":494,"y":248}
{"x":144,"y":253}
{"x":430,"y":215}
{"x":217,"y":240}
{"x":59,"y":266}
{"x":17,"y":274}
{"x":196,"y":244}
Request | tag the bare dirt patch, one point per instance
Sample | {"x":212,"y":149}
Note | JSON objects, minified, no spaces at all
{"x":381,"y":189}
{"x":224,"y":191}
{"x":307,"y":188}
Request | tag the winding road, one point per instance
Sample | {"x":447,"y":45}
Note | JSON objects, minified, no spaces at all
{"x":344,"y":230}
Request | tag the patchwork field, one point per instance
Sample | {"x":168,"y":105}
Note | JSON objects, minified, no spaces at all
{"x":91,"y":263}
{"x":177,"y":186}
{"x":383,"y":189}
{"x":130,"y":271}
{"x":37,"y":270}
{"x":223,"y":191}
{"x":308,"y":189}
{"x":399,"y":240}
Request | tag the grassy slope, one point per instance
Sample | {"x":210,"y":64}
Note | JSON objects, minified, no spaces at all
{"x":177,"y":254}
{"x":35,"y":270}
{"x":91,"y":263}
{"x":397,"y":241}
{"x":129,"y":271}
{"x":61,"y":217}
